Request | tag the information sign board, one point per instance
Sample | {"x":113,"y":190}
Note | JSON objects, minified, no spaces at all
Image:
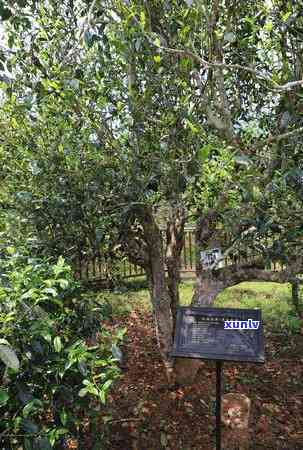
{"x":225,"y":334}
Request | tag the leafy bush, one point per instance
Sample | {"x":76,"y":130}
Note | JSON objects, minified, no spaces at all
{"x":54,"y":372}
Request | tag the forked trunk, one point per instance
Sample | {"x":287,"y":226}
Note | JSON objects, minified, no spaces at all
{"x":206,"y":290}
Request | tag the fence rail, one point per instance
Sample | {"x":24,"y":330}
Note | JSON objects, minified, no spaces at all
{"x":97,"y":268}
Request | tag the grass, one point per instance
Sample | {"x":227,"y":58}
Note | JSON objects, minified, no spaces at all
{"x":272,"y":298}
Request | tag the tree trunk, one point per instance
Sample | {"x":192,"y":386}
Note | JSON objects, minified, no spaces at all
{"x":206,"y":289}
{"x":162,"y":313}
{"x":174,"y":246}
{"x":146,"y":250}
{"x":295,"y":295}
{"x":159,"y":290}
{"x":185,"y":370}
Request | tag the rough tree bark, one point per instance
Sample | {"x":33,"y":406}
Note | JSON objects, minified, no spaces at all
{"x":143,"y":245}
{"x":175,"y":243}
{"x":174,"y":246}
{"x":206,"y":288}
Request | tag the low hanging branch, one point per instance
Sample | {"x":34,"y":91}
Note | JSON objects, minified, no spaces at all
{"x":281,"y":137}
{"x":211,"y":282}
{"x":230,"y":276}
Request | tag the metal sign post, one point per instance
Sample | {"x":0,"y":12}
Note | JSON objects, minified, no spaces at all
{"x":220,"y":334}
{"x":219,"y":393}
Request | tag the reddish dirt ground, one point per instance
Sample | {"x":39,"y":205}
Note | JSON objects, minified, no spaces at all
{"x":147,"y":415}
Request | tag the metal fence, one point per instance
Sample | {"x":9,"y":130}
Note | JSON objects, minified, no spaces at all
{"x":97,"y":268}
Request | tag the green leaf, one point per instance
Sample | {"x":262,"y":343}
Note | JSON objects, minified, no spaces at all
{"x":9,"y":357}
{"x":10,"y":250}
{"x":157,"y":42}
{"x":42,"y":443}
{"x":28,"y":409}
{"x":28,"y":426}
{"x":268,"y":26}
{"x":102,"y":397}
{"x":53,"y":84}
{"x":193,"y":128}
{"x":107,"y":384}
{"x":204,"y":153}
{"x":5,"y":13}
{"x":60,"y":262}
{"x":63,"y":283}
{"x":3,"y":397}
{"x":63,"y":417}
{"x":28,"y":444}
{"x":58,"y":344}
{"x":47,"y":336}
{"x":229,"y":36}
{"x":92,"y":390}
{"x":29,"y":294}
{"x":51,"y":291}
{"x":121,"y":332}
{"x":61,"y":431}
{"x":59,"y":267}
{"x":286,"y":16}
{"x":142,"y":19}
{"x":82,"y":392}
{"x":32,"y":406}
{"x":157,"y":58}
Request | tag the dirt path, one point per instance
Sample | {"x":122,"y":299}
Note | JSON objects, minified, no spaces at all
{"x":151,"y":417}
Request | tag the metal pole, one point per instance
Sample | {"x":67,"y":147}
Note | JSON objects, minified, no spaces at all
{"x":219,"y":383}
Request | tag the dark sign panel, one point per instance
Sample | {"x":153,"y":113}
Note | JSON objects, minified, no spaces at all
{"x":226,"y":334}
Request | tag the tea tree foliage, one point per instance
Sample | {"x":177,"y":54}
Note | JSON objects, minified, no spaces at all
{"x":122,"y":74}
{"x":113,"y":108}
{"x":47,"y":365}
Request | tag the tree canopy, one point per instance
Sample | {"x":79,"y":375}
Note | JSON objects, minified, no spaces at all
{"x":110,"y":109}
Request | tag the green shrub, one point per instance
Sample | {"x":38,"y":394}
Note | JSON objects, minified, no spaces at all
{"x":54,"y":375}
